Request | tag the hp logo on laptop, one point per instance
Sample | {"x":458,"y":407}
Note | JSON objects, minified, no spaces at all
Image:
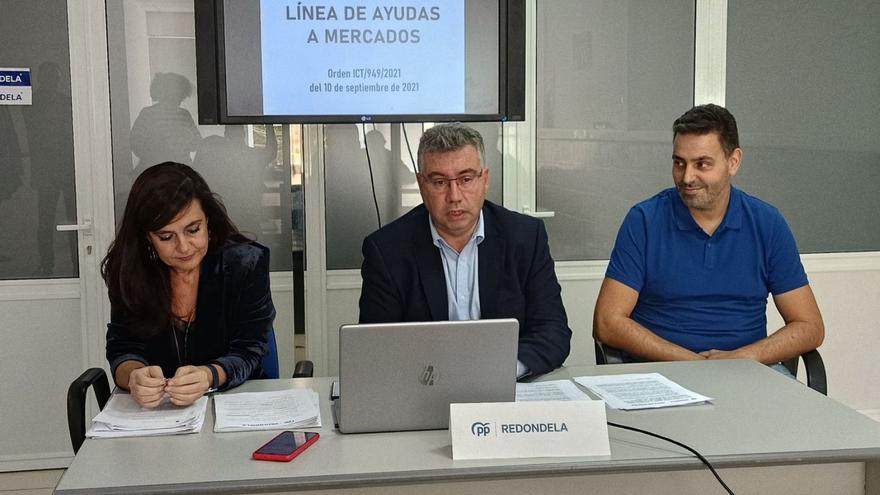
{"x":427,"y":375}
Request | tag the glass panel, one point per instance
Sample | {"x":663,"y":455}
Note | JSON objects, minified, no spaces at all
{"x":806,"y":95}
{"x":37,"y":188}
{"x":152,"y":90}
{"x":612,"y":77}
{"x":351,"y":206}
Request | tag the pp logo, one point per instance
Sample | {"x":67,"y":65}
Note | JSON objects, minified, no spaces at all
{"x":480,"y":429}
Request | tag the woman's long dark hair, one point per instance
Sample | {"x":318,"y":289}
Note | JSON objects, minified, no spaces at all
{"x":138,"y":283}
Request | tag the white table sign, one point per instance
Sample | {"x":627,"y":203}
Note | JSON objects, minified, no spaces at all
{"x":501,"y":430}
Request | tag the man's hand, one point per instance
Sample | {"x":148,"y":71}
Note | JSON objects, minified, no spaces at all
{"x":734,"y":354}
{"x":147,"y":385}
{"x":188,"y":384}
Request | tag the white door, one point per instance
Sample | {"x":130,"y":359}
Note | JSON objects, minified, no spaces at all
{"x":53,"y":223}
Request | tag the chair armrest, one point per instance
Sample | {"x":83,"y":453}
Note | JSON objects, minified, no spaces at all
{"x":815,"y":368}
{"x":76,"y":402}
{"x":303,"y":369}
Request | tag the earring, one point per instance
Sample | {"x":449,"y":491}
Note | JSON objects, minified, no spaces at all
{"x":151,"y":252}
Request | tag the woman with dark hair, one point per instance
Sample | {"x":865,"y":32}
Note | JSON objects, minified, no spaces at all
{"x":191,"y":309}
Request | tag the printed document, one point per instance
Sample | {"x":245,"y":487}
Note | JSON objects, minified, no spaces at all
{"x":640,"y":391}
{"x":278,"y":410}
{"x":123,"y":417}
{"x":550,"y":390}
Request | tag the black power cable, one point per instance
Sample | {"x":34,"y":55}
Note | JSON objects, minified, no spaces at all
{"x":693,"y":451}
{"x":372,"y":181}
{"x":406,"y":139}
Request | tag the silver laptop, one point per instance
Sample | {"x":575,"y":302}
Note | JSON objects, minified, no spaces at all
{"x":403,"y":376}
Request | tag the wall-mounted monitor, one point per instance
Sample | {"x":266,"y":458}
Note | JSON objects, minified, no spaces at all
{"x":332,"y":61}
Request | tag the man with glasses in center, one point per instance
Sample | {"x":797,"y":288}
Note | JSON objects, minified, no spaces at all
{"x":460,"y":257}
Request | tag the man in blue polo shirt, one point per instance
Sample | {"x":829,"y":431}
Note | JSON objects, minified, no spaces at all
{"x":692,"y":266}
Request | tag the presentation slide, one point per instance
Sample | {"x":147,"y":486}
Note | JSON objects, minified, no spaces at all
{"x":327,"y":57}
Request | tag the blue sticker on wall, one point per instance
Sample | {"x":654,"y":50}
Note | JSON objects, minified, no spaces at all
{"x":15,"y":86}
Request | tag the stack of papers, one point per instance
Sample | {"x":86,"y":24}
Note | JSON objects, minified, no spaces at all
{"x":123,"y":417}
{"x":550,"y":390}
{"x":283,"y":409}
{"x":640,"y":391}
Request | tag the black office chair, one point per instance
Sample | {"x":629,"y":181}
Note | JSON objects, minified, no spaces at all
{"x":813,"y":364}
{"x":303,"y":369}
{"x":76,"y":402}
{"x":97,"y":378}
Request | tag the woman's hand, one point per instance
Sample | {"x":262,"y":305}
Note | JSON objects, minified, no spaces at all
{"x":189,"y":383}
{"x":147,"y":385}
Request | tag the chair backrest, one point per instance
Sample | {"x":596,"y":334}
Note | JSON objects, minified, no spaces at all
{"x":815,"y":370}
{"x":601,"y":357}
{"x":606,"y":354}
{"x":270,"y":359}
{"x":76,"y":402}
{"x":304,"y":369}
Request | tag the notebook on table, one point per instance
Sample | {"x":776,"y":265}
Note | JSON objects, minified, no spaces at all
{"x":403,"y":376}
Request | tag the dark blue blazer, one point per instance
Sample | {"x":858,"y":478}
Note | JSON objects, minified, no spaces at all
{"x":234,"y":314}
{"x":403,"y":280}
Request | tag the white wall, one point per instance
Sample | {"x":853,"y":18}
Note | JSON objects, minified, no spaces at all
{"x":847,"y":287}
{"x":42,"y":352}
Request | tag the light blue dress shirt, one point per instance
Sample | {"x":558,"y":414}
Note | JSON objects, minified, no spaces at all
{"x":462,"y":273}
{"x":463,"y":279}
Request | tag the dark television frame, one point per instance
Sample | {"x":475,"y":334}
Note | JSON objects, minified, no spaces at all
{"x":210,"y":75}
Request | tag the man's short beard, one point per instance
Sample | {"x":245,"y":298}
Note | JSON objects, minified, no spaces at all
{"x":698,"y":203}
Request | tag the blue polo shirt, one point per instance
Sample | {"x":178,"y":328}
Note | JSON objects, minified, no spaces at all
{"x":705,"y":292}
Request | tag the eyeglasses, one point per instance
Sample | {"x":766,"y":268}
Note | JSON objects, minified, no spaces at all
{"x":465,"y":182}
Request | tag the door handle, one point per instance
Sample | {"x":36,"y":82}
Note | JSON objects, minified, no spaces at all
{"x":86,"y":225}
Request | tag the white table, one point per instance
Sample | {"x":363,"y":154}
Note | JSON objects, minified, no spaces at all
{"x":766,"y":432}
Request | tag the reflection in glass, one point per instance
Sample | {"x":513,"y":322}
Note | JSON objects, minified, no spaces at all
{"x":152,"y":75}
{"x":612,"y":77}
{"x":11,"y":164}
{"x":244,"y":201}
{"x":37,"y":188}
{"x":351,"y":207}
{"x":816,"y":138}
{"x":11,"y":192}
{"x":50,"y":140}
{"x":351,"y":213}
{"x":164,"y":131}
